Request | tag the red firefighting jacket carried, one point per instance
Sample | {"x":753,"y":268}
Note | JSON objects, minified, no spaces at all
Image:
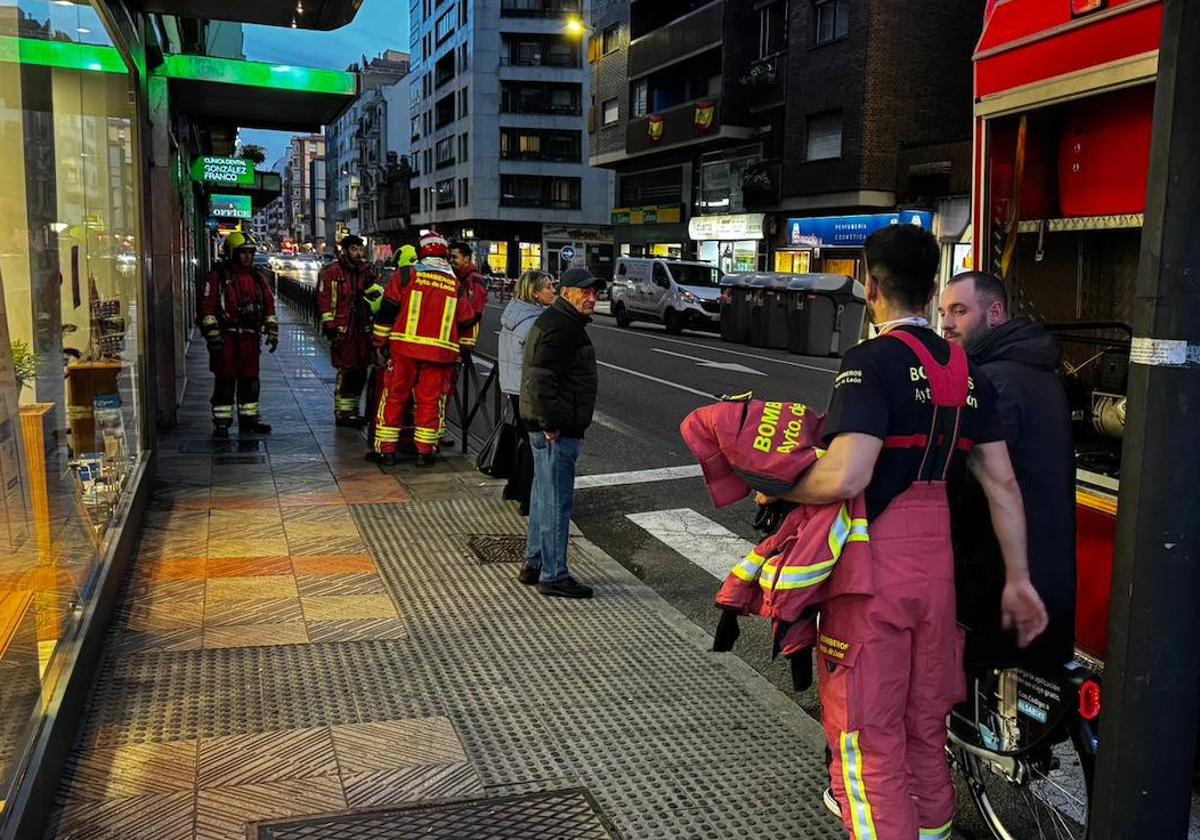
{"x":421,"y":312}
{"x":475,"y":287}
{"x":767,"y":446}
{"x":340,"y":288}
{"x":236,"y":300}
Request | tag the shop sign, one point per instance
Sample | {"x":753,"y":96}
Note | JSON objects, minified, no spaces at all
{"x":663,"y":214}
{"x":850,"y":231}
{"x":230,"y":206}
{"x":741,"y":226}
{"x":222,"y":170}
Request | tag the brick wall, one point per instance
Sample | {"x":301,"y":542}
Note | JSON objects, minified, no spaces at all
{"x":609,"y":76}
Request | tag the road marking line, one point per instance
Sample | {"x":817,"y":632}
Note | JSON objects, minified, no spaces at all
{"x":637,"y":477}
{"x":676,"y":385}
{"x":717,"y":348}
{"x":710,"y":546}
{"x":732,"y":367}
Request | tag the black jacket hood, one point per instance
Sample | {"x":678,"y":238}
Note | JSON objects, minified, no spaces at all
{"x":1017,"y":341}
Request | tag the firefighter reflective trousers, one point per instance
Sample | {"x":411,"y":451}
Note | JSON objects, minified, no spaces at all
{"x":351,"y":355}
{"x":890,"y":670}
{"x":423,"y":382}
{"x":235,"y":365}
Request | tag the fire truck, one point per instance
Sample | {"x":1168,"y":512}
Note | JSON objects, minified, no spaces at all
{"x":1064,"y":95}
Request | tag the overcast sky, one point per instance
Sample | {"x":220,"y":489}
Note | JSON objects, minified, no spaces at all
{"x":379,"y":25}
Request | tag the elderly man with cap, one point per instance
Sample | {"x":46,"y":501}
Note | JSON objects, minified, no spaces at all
{"x":558,"y":398}
{"x":343,"y":301}
{"x":419,"y":321}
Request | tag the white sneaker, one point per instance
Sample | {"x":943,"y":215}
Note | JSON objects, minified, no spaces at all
{"x":831,"y":804}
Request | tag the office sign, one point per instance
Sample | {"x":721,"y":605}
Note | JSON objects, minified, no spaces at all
{"x":230,"y":206}
{"x":850,"y":231}
{"x":737,"y":227}
{"x":222,"y":170}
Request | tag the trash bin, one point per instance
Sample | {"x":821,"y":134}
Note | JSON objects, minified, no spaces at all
{"x":735,"y":308}
{"x":825,"y":314}
{"x":769,"y":310}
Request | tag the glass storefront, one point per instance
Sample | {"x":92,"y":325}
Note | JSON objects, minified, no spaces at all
{"x":793,"y":262}
{"x":71,"y":419}
{"x":531,"y":256}
{"x":730,"y":256}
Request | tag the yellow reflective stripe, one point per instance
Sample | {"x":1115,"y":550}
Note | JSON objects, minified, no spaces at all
{"x":748,"y":569}
{"x":424,"y":342}
{"x":796,"y":577}
{"x":839,"y":531}
{"x":382,"y":330}
{"x":414,"y":314}
{"x":858,"y":531}
{"x":862,"y":819}
{"x":448,"y":318}
{"x":326,"y":317}
{"x":942,"y":833}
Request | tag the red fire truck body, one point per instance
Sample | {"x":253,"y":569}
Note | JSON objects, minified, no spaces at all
{"x":1064,"y":95}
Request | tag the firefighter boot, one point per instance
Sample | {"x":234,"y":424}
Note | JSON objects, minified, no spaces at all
{"x":351,"y":422}
{"x":220,"y":430}
{"x":426,"y":459}
{"x":253,"y":426}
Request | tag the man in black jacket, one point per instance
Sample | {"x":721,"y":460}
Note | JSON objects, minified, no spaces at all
{"x":1020,"y":359}
{"x":558,"y":397}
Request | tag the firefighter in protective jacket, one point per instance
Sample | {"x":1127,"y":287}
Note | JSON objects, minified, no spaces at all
{"x":237,"y":308}
{"x":418,"y":321}
{"x":342,"y":298}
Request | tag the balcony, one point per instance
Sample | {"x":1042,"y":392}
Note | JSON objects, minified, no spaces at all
{"x":761,"y":185}
{"x":677,"y":40}
{"x":765,"y":82}
{"x":543,"y":99}
{"x":540,"y":8}
{"x":679,"y":125}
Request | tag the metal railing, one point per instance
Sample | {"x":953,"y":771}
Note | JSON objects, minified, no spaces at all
{"x":301,"y":296}
{"x":478,"y":404}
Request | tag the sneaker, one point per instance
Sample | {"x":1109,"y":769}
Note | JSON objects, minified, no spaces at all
{"x":528,"y":574}
{"x":568,"y":587}
{"x":831,"y":804}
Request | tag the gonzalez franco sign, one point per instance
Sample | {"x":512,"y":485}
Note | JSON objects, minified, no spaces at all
{"x":230,"y":206}
{"x":221,"y":170}
{"x":850,"y":231}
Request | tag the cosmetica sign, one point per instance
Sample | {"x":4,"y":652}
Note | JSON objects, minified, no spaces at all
{"x":850,"y":231}
{"x":221,"y":170}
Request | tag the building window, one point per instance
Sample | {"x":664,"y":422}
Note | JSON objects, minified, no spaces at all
{"x":611,"y":39}
{"x":537,"y":191}
{"x":540,"y":144}
{"x":414,"y":93}
{"x":832,"y":19}
{"x":429,"y":160}
{"x":445,"y":193}
{"x":445,"y":111}
{"x":444,"y":27}
{"x":464,"y":99}
{"x":464,"y":194}
{"x":444,"y":153}
{"x":463,"y":6}
{"x":416,"y":129}
{"x":824,"y":136}
{"x":612,"y":111}
{"x":773,"y":28}
{"x":639,"y":98}
{"x":464,"y":146}
{"x":464,"y":58}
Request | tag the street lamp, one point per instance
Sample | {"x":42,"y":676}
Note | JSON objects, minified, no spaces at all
{"x":577,"y":28}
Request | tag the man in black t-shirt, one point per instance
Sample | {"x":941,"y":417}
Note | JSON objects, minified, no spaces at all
{"x":908,"y":413}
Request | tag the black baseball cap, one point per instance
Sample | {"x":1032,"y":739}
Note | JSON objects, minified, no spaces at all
{"x":579,"y":278}
{"x":351,"y":239}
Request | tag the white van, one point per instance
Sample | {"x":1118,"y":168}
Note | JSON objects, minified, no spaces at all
{"x":675,"y":293}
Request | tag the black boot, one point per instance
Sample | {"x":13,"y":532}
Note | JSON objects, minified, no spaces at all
{"x":447,"y":442}
{"x":388,"y":460}
{"x":426,"y":460}
{"x":253,"y":427}
{"x":220,"y":430}
{"x":351,"y":422}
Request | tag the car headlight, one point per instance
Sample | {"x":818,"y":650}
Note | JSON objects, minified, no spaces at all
{"x":688,"y":297}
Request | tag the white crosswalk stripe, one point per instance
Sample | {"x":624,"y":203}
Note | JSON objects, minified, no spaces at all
{"x":709,"y":545}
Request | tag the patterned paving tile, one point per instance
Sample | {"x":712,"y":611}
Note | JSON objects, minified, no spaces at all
{"x":124,"y":772}
{"x":265,"y":501}
{"x":254,"y":635}
{"x":386,"y":745}
{"x":387,"y":787}
{"x":160,"y":641}
{"x":222,"y":813}
{"x":266,"y":757}
{"x":360,"y":584}
{"x":142,"y":590}
{"x":162,"y":615}
{"x":325,"y":545}
{"x":253,"y":611}
{"x":245,"y":588}
{"x":170,"y":568}
{"x":346,"y":607}
{"x":245,"y":523}
{"x":168,"y":816}
{"x":360,"y":630}
{"x":272,"y":546}
{"x":224,"y":567}
{"x":333,"y":564}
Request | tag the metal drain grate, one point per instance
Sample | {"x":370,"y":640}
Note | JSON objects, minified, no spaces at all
{"x":207,"y":445}
{"x":229,"y":460}
{"x":497,"y":548}
{"x":555,"y":815}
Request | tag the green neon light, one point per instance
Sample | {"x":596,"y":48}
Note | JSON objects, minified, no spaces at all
{"x":219,"y":170}
{"x":65,"y":54}
{"x":230,"y":71}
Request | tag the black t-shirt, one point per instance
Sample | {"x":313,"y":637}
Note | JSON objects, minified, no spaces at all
{"x":880,"y":391}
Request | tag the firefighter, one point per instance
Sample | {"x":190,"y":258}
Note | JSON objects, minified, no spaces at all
{"x":908,"y":413}
{"x":237,"y":308}
{"x":418,"y":322}
{"x":342,"y":290}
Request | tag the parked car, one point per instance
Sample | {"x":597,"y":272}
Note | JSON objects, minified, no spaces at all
{"x":675,"y":293}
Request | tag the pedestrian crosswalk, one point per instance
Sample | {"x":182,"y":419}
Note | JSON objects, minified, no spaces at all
{"x":708,"y":544}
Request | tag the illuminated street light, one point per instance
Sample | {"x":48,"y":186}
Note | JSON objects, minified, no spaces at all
{"x":576,"y":27}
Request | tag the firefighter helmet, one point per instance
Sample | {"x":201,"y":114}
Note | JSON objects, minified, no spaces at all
{"x":238,"y":241}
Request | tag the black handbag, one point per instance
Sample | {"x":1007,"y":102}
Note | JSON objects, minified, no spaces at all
{"x":499,"y":454}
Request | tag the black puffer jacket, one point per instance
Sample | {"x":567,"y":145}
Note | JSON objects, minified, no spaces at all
{"x":558,"y":379}
{"x":1021,"y":360}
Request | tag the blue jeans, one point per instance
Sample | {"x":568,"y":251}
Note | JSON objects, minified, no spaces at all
{"x":551,"y":504}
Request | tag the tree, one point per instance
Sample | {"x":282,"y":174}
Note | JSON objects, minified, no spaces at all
{"x":255,"y":153}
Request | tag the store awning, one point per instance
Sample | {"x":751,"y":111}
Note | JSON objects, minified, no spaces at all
{"x":313,"y":14}
{"x":253,"y":94}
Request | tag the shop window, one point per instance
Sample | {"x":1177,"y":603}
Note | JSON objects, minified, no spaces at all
{"x":793,"y":262}
{"x":531,"y":256}
{"x":497,"y":257}
{"x":612,"y":111}
{"x":824,"y":136}
{"x":832,"y":18}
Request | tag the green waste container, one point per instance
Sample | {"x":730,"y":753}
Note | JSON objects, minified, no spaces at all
{"x":825,"y":313}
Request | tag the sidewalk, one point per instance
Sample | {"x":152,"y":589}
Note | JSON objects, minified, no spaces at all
{"x":304,"y":634}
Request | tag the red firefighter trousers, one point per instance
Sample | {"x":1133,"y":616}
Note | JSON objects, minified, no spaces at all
{"x":890,"y":669}
{"x":425,"y":383}
{"x":351,"y":355}
{"x":236,"y":366}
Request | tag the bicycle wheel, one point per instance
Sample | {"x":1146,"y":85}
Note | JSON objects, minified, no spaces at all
{"x":1049,"y":802}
